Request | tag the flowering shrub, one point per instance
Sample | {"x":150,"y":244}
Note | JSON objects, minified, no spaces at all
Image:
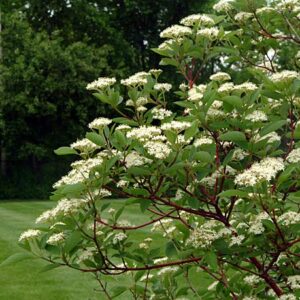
{"x":217,"y":182}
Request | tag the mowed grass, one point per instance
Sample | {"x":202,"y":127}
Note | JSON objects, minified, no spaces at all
{"x":24,"y":281}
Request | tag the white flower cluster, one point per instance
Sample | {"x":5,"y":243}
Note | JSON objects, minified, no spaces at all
{"x":135,"y":159}
{"x":265,"y":10}
{"x":223,"y":6}
{"x":160,"y":260}
{"x":226,"y":87}
{"x":147,"y":277}
{"x":196,"y":93}
{"x":177,"y":126}
{"x":294,"y":156}
{"x":166,"y":45}
{"x":209,"y":33}
{"x":84,"y":166}
{"x":167,"y":271}
{"x":175,"y":32}
{"x":214,"y":111}
{"x":101,"y":83}
{"x":99,"y":123}
{"x":289,"y":5}
{"x":137,"y":79}
{"x":237,"y":240}
{"x":80,"y":172}
{"x":257,"y":116}
{"x":86,"y":255}
{"x":288,"y":297}
{"x":204,"y":235}
{"x":29,"y":234}
{"x":161,"y":113}
{"x":211,"y":180}
{"x":245,"y":87}
{"x":239,"y":154}
{"x":155,"y":72}
{"x":56,"y":239}
{"x":103,"y":193}
{"x":180,"y":140}
{"x":138,"y":104}
{"x":294,"y":282}
{"x":158,"y":149}
{"x":162,"y":87}
{"x":243,"y":16}
{"x":64,"y":207}
{"x":145,"y":244}
{"x":84,"y":145}
{"x":197,"y":19}
{"x":122,"y":183}
{"x":271,"y":137}
{"x":165,"y":225}
{"x":284,"y":76}
{"x":289,"y":218}
{"x":256,"y":225}
{"x":119,"y":238}
{"x":266,"y":169}
{"x":144,"y":133}
{"x":252,"y":280}
{"x":123,"y":127}
{"x":220,"y":76}
{"x":203,"y":141}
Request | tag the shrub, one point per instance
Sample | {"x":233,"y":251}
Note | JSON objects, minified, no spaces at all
{"x":218,"y":181}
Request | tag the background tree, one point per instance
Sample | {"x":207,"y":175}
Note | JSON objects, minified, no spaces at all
{"x":51,"y":49}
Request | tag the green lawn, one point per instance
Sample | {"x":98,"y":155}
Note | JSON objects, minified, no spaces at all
{"x":23,"y":280}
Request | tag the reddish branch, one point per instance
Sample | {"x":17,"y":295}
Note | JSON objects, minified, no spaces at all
{"x":99,"y":220}
{"x":264,"y":275}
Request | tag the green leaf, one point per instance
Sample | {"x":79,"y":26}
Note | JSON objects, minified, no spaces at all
{"x":118,"y":213}
{"x":228,"y":158}
{"x":170,"y":249}
{"x":212,"y":260}
{"x":15,"y":258}
{"x":117,"y":291}
{"x":193,"y":202}
{"x":49,"y":267}
{"x":120,"y":137}
{"x":272,"y":127}
{"x":104,"y":206}
{"x":235,"y":101}
{"x":233,"y":136}
{"x":144,"y":204}
{"x":102,"y":97}
{"x":76,"y":188}
{"x":125,"y":121}
{"x":139,"y":275}
{"x":191,"y":131}
{"x":65,"y":151}
{"x":72,"y":241}
{"x":96,"y":138}
{"x":168,"y":61}
{"x":203,"y":156}
{"x":139,"y":171}
{"x":230,"y":193}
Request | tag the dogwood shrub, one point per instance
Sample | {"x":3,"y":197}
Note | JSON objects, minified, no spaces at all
{"x":216,"y":183}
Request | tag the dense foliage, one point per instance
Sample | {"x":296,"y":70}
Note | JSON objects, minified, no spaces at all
{"x":50,"y":50}
{"x":218,"y":182}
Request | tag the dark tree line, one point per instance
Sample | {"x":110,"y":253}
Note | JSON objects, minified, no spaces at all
{"x":50,"y":51}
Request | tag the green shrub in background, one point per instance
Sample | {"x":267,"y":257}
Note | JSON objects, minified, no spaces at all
{"x":218,"y":181}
